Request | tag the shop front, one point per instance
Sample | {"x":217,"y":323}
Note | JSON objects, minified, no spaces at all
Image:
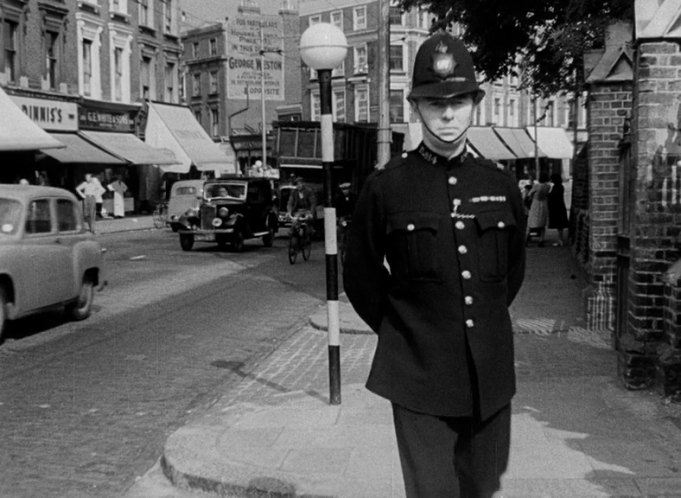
{"x":20,"y":142}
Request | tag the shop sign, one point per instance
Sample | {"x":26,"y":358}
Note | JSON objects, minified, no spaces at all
{"x":93,"y":118}
{"x":246,"y":70}
{"x":51,"y":115}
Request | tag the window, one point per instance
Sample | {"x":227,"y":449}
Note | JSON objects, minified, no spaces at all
{"x":146,"y":78}
{"x":360,"y":58}
{"x":213,"y":46}
{"x":38,"y":219}
{"x":513,"y":112}
{"x":146,"y":10}
{"x":11,"y":42}
{"x":359,"y":18}
{"x":396,"y":59}
{"x":196,"y":84}
{"x":362,"y":104}
{"x":118,"y":74}
{"x":67,"y":216}
{"x":339,"y":106}
{"x":87,"y":66}
{"x":168,"y":20}
{"x":395,"y":15}
{"x":497,"y":111}
{"x":119,"y":6}
{"x":396,"y":106}
{"x":315,"y":107}
{"x":197,"y":115}
{"x":170,"y":82}
{"x":51,"y":58}
{"x":339,"y":70}
{"x":315,"y":19}
{"x":337,"y":19}
{"x":215,"y":122}
{"x":195,"y":50}
{"x":213,"y":82}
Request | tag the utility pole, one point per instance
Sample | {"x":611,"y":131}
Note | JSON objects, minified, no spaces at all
{"x":536,"y":141}
{"x":262,"y":96}
{"x":384,"y":135}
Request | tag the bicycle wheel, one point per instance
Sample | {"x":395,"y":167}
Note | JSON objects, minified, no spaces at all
{"x":306,"y":243}
{"x":159,"y":216}
{"x":293,"y":244}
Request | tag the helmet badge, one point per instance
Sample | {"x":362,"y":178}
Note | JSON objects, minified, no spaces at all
{"x":443,"y":62}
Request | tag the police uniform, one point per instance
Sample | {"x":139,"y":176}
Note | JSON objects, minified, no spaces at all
{"x":452,"y":234}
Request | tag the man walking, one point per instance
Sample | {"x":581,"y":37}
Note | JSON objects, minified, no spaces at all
{"x":451,"y":228}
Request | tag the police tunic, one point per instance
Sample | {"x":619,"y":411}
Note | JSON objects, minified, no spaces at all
{"x":436,"y":256}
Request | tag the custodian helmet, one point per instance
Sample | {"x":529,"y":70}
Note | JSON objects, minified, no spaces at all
{"x":444,"y":68}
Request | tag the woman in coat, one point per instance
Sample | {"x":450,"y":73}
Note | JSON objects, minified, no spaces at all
{"x":538,"y":216}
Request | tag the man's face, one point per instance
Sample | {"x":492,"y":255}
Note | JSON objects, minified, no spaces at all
{"x":446,"y":118}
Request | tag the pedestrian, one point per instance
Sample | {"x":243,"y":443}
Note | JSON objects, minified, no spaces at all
{"x":344,"y":201}
{"x":88,"y":190}
{"x":538,"y":217}
{"x":451,"y":229}
{"x":119,"y":188}
{"x":558,"y":219}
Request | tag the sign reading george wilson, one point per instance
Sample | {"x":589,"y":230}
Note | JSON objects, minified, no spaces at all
{"x":244,"y":62}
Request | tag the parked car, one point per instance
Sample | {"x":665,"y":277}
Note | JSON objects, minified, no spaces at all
{"x":47,"y":258}
{"x":232,"y":209}
{"x":184,"y":195}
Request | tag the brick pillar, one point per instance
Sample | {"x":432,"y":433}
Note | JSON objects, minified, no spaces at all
{"x":609,"y":106}
{"x":656,"y":211}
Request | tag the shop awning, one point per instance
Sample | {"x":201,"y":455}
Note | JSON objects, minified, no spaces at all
{"x":487,"y":144}
{"x":18,"y":132}
{"x":554,"y":142}
{"x":130,"y":148}
{"x":174,"y":127}
{"x":518,"y":141}
{"x":79,"y":150}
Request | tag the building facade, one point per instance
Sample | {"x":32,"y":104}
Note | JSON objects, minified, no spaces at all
{"x":89,"y":65}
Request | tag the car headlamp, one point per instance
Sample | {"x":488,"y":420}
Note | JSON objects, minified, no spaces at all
{"x":223,"y":212}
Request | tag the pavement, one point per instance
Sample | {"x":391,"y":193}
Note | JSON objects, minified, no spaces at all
{"x":576,"y":431}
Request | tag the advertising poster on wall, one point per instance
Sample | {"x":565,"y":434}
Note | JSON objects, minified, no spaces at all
{"x":245,"y":69}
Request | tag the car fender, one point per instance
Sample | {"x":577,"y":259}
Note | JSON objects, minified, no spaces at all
{"x":88,"y":255}
{"x":234,"y":219}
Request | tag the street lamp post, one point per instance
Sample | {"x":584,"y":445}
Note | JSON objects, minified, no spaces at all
{"x":323,"y":47}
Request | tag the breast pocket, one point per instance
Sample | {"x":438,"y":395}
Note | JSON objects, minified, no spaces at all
{"x":412,"y":245}
{"x":494,"y":232}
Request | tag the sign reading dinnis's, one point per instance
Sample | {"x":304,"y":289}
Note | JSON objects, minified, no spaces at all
{"x":245,"y":68}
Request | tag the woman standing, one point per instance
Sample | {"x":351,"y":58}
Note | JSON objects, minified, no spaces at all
{"x":119,"y":189}
{"x":557,"y":211}
{"x":538,"y":216}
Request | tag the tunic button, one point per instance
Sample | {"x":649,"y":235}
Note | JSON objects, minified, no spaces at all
{"x":466,"y":274}
{"x":410,"y":227}
{"x":404,"y":154}
{"x":501,"y":224}
{"x":468,"y":300}
{"x":452,"y":180}
{"x":456,"y":202}
{"x":459,"y":224}
{"x":463,"y":249}
{"x":469,"y":323}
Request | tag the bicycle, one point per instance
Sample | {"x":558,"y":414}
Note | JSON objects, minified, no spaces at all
{"x":300,"y":239}
{"x":160,"y":215}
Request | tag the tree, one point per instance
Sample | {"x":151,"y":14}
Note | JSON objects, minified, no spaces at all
{"x":544,"y":40}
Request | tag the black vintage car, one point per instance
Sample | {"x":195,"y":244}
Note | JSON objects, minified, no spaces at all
{"x":232,"y":209}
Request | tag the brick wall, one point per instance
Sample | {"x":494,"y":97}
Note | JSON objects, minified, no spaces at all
{"x":608,"y":107}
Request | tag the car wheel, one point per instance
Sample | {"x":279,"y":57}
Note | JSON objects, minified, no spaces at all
{"x":186,"y":241}
{"x":238,"y":242}
{"x":3,"y":314}
{"x":268,"y":240}
{"x":81,"y":308}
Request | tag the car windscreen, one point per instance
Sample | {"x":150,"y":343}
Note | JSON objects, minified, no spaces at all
{"x":10,"y":216}
{"x":226,"y":191}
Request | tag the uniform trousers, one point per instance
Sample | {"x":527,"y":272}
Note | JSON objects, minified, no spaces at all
{"x":452,"y":457}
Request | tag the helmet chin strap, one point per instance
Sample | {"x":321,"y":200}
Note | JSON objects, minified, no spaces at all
{"x":434,"y":135}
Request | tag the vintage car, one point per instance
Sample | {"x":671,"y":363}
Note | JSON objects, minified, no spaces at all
{"x":184,"y":195}
{"x":233,"y":209}
{"x":47,"y":258}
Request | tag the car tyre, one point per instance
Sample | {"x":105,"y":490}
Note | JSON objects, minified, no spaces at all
{"x":238,"y":241}
{"x":186,"y":241}
{"x":81,"y":308}
{"x":3,"y":314}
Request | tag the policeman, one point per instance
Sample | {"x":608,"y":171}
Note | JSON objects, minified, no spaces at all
{"x":450,"y":227}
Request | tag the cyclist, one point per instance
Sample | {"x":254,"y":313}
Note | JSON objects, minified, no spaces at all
{"x":302,"y":202}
